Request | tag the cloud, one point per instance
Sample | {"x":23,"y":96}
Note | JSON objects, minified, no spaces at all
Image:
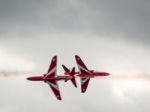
{"x":9,"y":61}
{"x":127,"y":18}
{"x":109,"y":35}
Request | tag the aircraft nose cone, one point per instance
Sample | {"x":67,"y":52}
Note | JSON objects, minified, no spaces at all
{"x":29,"y":78}
{"x":107,"y":74}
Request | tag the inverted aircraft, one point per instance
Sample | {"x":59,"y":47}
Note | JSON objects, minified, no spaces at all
{"x":70,"y":74}
{"x":51,"y":78}
{"x":85,"y":74}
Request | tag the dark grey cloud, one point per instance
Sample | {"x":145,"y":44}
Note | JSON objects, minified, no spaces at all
{"x":106,"y":34}
{"x":129,"y":19}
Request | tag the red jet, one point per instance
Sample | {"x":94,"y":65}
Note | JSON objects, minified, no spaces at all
{"x":51,"y":78}
{"x":86,"y":74}
{"x":72,"y":73}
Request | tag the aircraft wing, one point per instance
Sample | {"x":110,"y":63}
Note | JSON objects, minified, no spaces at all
{"x":84,"y":84}
{"x":55,"y":88}
{"x":52,"y":68}
{"x":84,"y":72}
{"x":81,"y":66}
{"x":51,"y":74}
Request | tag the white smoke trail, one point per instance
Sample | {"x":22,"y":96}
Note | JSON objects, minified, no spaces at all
{"x":14,"y":73}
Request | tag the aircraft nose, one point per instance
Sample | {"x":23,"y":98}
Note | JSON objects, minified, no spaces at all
{"x":107,"y":74}
{"x":29,"y":78}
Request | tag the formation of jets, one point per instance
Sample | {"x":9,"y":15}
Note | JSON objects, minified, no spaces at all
{"x":51,"y":78}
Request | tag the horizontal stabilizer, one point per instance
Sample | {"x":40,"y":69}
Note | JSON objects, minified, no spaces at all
{"x":71,"y":73}
{"x":65,"y":69}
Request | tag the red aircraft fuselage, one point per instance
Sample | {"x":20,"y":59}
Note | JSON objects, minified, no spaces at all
{"x":43,"y":78}
{"x":84,"y":74}
{"x":93,"y":74}
{"x":99,"y":73}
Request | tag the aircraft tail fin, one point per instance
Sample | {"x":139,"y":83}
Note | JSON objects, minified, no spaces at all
{"x":65,"y":69}
{"x":71,"y":73}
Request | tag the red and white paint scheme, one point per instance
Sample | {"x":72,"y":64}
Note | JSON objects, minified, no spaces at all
{"x":51,"y":78}
{"x":86,"y":74}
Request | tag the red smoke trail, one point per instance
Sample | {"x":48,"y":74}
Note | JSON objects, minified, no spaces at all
{"x":127,"y":77}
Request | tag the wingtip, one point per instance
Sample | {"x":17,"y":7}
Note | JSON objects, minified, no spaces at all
{"x":55,"y":56}
{"x":77,"y":57}
{"x":82,"y":91}
{"x":58,"y":97}
{"x":76,"y":87}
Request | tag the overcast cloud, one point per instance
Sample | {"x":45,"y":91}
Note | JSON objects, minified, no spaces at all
{"x":112,"y":36}
{"x":128,"y":18}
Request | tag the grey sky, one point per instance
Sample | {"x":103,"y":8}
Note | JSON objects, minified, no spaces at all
{"x":119,"y":17}
{"x":109,"y":35}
